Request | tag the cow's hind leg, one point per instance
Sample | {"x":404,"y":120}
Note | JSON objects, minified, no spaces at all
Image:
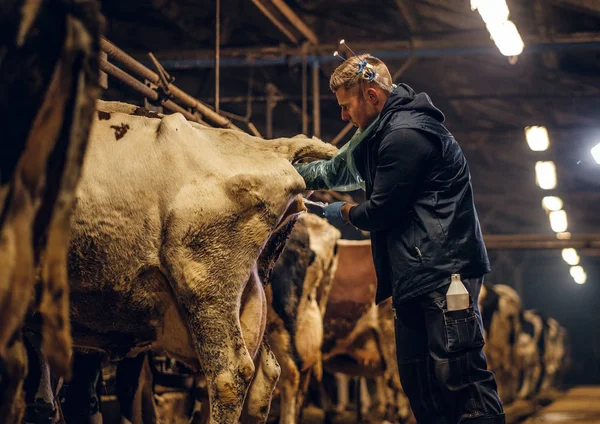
{"x":226,"y":363}
{"x":13,"y":368}
{"x":260,"y":393}
{"x":211,"y":306}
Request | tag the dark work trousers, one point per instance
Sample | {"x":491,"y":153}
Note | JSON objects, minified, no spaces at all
{"x":441,"y":362}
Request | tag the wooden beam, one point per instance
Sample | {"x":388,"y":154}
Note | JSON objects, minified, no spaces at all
{"x":540,"y":10}
{"x":267,"y":9}
{"x":409,"y":14}
{"x":591,"y":7}
{"x":341,"y":134}
{"x":454,"y":43}
{"x":409,"y":62}
{"x":541,"y":241}
{"x":296,"y":21}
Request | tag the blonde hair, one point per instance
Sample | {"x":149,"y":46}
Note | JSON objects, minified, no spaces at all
{"x":346,"y":74}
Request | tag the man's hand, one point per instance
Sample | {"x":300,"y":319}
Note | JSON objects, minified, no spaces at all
{"x":337,"y":213}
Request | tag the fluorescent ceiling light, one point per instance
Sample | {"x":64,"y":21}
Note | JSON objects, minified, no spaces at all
{"x":507,"y":38}
{"x":558,"y":221}
{"x":545,"y":175}
{"x":552,"y":203}
{"x":578,"y":274}
{"x":570,"y":256}
{"x":537,"y":138}
{"x":491,"y":11}
{"x":596,"y":153}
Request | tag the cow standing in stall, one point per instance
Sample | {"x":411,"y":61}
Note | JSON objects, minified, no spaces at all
{"x":297,"y":295}
{"x":48,"y":86}
{"x":555,"y":350}
{"x":174,"y":228}
{"x":529,"y":350}
{"x":360,"y":337}
{"x":353,"y":345}
{"x":500,"y":311}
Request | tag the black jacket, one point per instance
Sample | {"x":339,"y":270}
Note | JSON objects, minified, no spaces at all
{"x":419,"y":209}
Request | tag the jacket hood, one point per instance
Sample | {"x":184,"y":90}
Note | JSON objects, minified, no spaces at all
{"x":404,"y":98}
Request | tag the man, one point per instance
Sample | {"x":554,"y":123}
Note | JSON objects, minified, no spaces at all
{"x":424,"y":228}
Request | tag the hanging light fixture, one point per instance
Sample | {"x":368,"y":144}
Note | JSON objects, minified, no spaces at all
{"x":491,"y":11}
{"x":495,"y":14}
{"x":578,"y":274}
{"x":596,"y":153}
{"x":507,"y":38}
{"x":537,"y":138}
{"x":545,"y":175}
{"x":558,"y":221}
{"x":570,"y":256}
{"x":552,"y":203}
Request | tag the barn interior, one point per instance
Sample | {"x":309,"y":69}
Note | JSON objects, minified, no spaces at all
{"x":263,"y":67}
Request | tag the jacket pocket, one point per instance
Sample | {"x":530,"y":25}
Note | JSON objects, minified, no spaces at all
{"x":463,"y":330}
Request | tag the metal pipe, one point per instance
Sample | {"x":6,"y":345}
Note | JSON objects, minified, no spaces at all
{"x":295,"y":59}
{"x":103,"y":79}
{"x":316,"y":100}
{"x":270,"y":106}
{"x":217,"y":54}
{"x":304,"y":90}
{"x":143,"y":72}
{"x":146,"y":91}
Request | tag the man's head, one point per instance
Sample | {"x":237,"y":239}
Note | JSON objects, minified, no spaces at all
{"x":361,"y":90}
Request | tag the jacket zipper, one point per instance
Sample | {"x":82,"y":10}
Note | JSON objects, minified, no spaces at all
{"x":419,"y":254}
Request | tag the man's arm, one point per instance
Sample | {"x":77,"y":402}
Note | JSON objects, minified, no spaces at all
{"x":336,"y":173}
{"x":404,"y":158}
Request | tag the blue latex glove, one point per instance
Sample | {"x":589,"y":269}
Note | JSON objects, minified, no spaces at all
{"x":333,"y":213}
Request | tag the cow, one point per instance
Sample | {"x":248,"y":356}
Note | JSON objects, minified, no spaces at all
{"x":397,"y":405}
{"x":175,"y":228}
{"x":500,"y":307}
{"x":529,"y":346}
{"x":296,"y":297}
{"x":48,"y":85}
{"x":553,"y":351}
{"x":352,"y":344}
{"x":351,"y":314}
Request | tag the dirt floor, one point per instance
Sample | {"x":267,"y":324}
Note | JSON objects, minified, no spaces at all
{"x":580,"y":405}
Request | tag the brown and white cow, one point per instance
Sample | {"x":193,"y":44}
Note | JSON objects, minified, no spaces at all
{"x":555,"y":350}
{"x":361,"y":340}
{"x":350,"y":321}
{"x":173,"y":223}
{"x":530,"y":344}
{"x":297,"y":294}
{"x":352,"y":343}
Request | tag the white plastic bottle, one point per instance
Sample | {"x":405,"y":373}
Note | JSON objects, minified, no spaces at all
{"x":457,"y":296}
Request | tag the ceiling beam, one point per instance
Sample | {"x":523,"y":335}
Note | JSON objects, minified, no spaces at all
{"x":409,"y":14}
{"x":541,"y":241}
{"x":462,"y":43}
{"x":296,"y":21}
{"x":542,"y":16}
{"x":271,"y":12}
{"x":591,"y":7}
